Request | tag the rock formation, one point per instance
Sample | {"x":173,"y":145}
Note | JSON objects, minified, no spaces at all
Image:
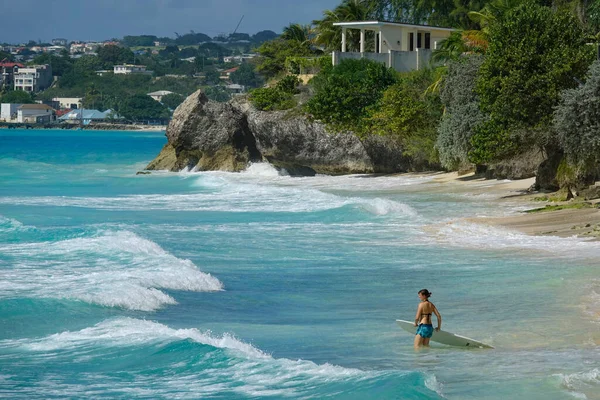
{"x":206,"y":135}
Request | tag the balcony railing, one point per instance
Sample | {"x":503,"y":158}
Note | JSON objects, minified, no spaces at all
{"x":401,"y":61}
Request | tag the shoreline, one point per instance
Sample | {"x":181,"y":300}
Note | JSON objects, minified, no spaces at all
{"x":583,"y":223}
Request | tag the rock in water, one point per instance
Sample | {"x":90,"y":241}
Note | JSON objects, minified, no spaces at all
{"x":206,"y":135}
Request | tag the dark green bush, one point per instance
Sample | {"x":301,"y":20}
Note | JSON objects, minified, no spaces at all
{"x":344,"y":94}
{"x":271,"y":99}
{"x":289,"y":84}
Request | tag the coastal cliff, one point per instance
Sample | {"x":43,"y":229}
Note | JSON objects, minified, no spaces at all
{"x":206,"y":135}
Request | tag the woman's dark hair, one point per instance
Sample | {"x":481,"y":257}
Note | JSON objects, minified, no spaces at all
{"x":425,"y":292}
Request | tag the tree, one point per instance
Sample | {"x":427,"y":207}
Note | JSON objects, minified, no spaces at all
{"x":60,"y":64}
{"x":217,"y":93}
{"x":172,"y":100}
{"x":137,"y":41}
{"x":245,"y":75}
{"x":17,"y":97}
{"x":300,"y":33}
{"x":410,"y":113}
{"x":263,"y":36}
{"x":462,"y":115}
{"x":330,"y":36}
{"x":274,"y":53}
{"x":111,"y":55}
{"x":140,"y":107}
{"x":344,"y":93}
{"x":577,"y":121}
{"x":534,"y":53}
{"x":87,"y":64}
{"x":6,"y":56}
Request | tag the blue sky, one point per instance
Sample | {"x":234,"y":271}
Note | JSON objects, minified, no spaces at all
{"x":103,"y":19}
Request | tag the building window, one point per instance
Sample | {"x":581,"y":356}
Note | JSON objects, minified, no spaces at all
{"x":419,"y":41}
{"x":428,"y":40}
{"x":411,"y":41}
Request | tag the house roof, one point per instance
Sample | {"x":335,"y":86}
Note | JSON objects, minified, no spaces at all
{"x":372,"y":24}
{"x":35,"y":107}
{"x":160,"y":93}
{"x":10,"y":64}
{"x":230,"y":70}
{"x":87,"y":114}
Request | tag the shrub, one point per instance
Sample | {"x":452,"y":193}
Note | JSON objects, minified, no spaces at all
{"x":344,"y":94}
{"x":463,"y":115}
{"x":410,"y":112}
{"x":577,"y":120}
{"x":288,"y":84}
{"x":534,"y":53}
{"x":271,"y":99}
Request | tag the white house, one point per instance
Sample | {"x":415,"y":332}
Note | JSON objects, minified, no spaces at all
{"x":127,"y":69}
{"x":69,"y":102}
{"x":403,"y":47}
{"x":33,"y":113}
{"x":158,"y":95}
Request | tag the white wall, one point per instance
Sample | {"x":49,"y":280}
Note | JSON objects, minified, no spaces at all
{"x":7,"y":110}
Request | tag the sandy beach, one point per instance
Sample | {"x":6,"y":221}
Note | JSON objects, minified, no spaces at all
{"x":581,"y":222}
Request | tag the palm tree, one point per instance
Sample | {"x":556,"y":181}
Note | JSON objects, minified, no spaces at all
{"x":330,"y":37}
{"x":300,"y":33}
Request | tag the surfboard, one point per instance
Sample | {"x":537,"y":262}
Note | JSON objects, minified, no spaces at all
{"x":444,"y":337}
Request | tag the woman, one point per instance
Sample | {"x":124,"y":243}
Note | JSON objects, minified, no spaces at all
{"x":423,"y":319}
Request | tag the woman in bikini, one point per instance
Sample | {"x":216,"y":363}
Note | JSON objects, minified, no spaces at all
{"x":423,"y":319}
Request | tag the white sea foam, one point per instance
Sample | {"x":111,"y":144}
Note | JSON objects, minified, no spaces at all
{"x":225,"y":197}
{"x":10,"y":224}
{"x":263,"y":170}
{"x":250,"y":369}
{"x":112,"y":268}
{"x":480,"y":236}
{"x":581,"y":383}
{"x":231,"y":367}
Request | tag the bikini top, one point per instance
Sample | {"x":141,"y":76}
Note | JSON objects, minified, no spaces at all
{"x":423,"y":314}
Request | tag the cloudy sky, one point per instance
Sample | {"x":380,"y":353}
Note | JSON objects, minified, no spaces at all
{"x":105,"y":19}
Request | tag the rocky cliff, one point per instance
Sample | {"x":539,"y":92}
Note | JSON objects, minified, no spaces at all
{"x":206,"y":135}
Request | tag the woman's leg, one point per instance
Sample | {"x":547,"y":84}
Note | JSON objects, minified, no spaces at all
{"x":426,"y":342}
{"x":418,"y":341}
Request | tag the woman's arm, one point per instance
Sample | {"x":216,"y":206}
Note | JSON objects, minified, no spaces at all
{"x":439,"y":318}
{"x":418,"y":316}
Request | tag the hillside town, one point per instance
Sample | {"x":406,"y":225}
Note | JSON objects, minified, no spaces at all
{"x":75,"y":83}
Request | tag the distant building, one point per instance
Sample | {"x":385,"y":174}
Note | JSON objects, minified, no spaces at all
{"x":9,"y":111}
{"x":227,"y":73}
{"x":127,"y":69}
{"x":235,"y":88}
{"x":7,"y":73}
{"x":34,"y":78}
{"x":158,"y":95}
{"x":69,"y":102}
{"x":103,"y":72}
{"x":35,"y":113}
{"x":60,"y":42}
{"x":88,"y":116}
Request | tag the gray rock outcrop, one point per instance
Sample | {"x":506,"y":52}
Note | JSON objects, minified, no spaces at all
{"x":206,"y":135}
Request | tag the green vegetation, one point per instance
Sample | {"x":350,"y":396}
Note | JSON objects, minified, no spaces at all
{"x":142,"y":107}
{"x":344,"y":95}
{"x":245,"y":75}
{"x":172,"y":100}
{"x":577,"y":121}
{"x":533,"y":54}
{"x":411,"y":113}
{"x":462,"y":112}
{"x":17,"y":96}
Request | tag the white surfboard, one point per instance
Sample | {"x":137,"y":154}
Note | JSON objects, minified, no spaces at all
{"x":445,"y":337}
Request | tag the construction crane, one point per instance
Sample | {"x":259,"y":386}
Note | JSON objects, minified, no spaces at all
{"x":238,"y":25}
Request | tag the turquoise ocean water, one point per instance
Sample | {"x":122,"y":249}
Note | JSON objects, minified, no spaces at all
{"x":259,"y":285}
